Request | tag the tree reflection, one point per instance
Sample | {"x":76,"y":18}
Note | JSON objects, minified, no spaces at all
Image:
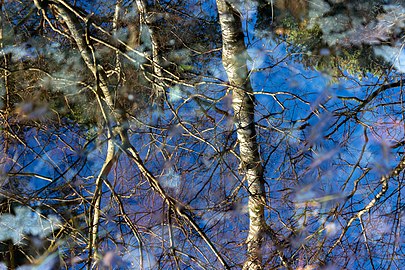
{"x":203,"y":134}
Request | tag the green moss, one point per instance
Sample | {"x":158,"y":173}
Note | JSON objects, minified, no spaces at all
{"x":308,"y":46}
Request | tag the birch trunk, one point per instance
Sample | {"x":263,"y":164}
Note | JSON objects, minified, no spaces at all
{"x":117,"y":117}
{"x":5,"y":80}
{"x":234,"y":60}
{"x":148,"y":19}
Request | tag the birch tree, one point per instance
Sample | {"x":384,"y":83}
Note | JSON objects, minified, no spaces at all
{"x":234,"y":57}
{"x":149,"y":23}
{"x":113,"y":115}
{"x":254,"y":160}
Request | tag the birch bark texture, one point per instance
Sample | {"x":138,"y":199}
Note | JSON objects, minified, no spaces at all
{"x":116,"y":116}
{"x":234,"y":57}
{"x":148,"y":20}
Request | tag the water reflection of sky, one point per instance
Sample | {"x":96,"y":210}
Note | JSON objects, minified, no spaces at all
{"x":311,"y":167}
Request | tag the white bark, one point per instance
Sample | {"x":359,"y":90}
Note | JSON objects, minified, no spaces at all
{"x":234,"y":61}
{"x":118,"y":6}
{"x":117,"y":117}
{"x":148,"y":19}
{"x":110,"y":115}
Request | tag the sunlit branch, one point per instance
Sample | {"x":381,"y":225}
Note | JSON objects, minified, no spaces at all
{"x":117,"y":117}
{"x":384,"y":182}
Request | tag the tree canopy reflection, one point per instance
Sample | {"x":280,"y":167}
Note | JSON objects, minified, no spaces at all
{"x":202,"y":134}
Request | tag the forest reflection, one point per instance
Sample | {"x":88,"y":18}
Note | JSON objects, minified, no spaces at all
{"x":202,"y":134}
